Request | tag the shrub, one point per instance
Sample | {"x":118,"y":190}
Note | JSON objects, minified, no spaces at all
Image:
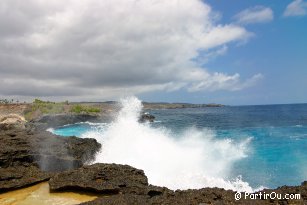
{"x":84,"y":109}
{"x":77,"y":109}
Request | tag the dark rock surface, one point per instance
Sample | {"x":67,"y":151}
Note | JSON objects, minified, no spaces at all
{"x":200,"y":197}
{"x":146,"y":117}
{"x":24,"y":149}
{"x":42,"y":148}
{"x":101,"y":178}
{"x":19,"y":176}
{"x":122,"y":184}
{"x":58,"y":120}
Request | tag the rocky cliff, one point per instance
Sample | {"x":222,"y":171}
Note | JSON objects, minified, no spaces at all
{"x":28,"y":155}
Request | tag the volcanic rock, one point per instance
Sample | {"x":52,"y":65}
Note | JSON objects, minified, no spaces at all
{"x":101,"y":178}
{"x":29,"y":152}
{"x":42,"y":148}
{"x":146,"y":117}
{"x":58,"y":120}
{"x":204,"y":196}
{"x":20,"y":176}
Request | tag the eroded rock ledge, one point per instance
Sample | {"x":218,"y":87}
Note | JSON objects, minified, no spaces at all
{"x":58,"y":120}
{"x":102,"y":179}
{"x":123,"y":184}
{"x":28,"y":156}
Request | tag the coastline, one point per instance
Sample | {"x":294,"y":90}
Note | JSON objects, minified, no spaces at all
{"x":122,"y":184}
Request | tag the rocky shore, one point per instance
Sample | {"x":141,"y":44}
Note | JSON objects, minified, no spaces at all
{"x":29,"y":155}
{"x":123,"y":184}
{"x":47,"y":121}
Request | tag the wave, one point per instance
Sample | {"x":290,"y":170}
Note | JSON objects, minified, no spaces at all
{"x":192,"y":159}
{"x":84,"y":123}
{"x":51,"y":130}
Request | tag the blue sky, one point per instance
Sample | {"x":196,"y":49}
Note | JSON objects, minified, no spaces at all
{"x":216,"y":51}
{"x":278,"y":50}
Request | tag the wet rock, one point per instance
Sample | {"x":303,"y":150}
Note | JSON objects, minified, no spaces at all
{"x":146,"y":117}
{"x":20,"y":176}
{"x":101,"y":178}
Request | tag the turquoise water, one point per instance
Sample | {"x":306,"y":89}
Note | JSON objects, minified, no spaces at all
{"x":276,"y":154}
{"x":79,"y":129}
{"x":73,"y":130}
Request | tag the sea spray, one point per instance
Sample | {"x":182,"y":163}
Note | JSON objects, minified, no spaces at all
{"x":53,"y":154}
{"x":192,"y":159}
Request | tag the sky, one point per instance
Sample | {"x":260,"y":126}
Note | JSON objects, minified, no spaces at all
{"x":213,"y":51}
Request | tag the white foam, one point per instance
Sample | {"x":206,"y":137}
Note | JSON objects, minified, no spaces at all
{"x":50,"y":130}
{"x":193,"y":159}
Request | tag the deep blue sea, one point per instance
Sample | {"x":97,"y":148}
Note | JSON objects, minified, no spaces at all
{"x":275,"y":155}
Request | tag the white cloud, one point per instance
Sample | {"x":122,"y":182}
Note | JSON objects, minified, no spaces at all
{"x":221,"y":81}
{"x":296,"y":8}
{"x":212,"y":54}
{"x":100,"y":49}
{"x":257,"y":14}
{"x":220,"y":35}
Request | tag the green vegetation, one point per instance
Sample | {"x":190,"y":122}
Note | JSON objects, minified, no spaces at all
{"x":84,"y":109}
{"x":47,"y":107}
{"x":40,"y":107}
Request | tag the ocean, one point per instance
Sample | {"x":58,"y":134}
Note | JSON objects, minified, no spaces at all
{"x":243,"y":148}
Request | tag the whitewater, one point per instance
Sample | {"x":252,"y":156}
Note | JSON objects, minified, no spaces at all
{"x":192,"y":159}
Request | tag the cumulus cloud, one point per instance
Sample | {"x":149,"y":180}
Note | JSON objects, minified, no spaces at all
{"x":100,"y":49}
{"x":257,"y":14}
{"x":296,"y":8}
